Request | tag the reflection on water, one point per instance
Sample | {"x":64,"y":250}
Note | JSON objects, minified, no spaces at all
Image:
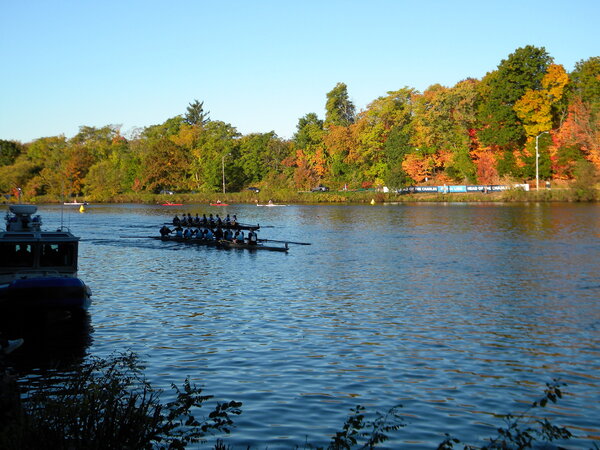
{"x":455,"y":311}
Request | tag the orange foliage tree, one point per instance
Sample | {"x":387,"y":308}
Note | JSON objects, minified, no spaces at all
{"x":417,"y":166}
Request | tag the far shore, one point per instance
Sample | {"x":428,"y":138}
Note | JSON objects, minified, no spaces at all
{"x":285,"y":196}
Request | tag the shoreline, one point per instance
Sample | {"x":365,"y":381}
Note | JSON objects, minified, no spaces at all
{"x":287,"y":197}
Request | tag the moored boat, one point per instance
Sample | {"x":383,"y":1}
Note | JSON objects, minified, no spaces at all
{"x":38,"y":269}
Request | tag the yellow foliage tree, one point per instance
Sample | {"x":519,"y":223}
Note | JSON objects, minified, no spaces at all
{"x":534,"y":108}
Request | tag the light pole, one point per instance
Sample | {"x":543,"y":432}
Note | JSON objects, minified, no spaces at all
{"x":223,"y":167}
{"x":537,"y":165}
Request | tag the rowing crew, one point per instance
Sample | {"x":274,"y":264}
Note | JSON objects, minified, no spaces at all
{"x":188,"y":221}
{"x":207,"y":234}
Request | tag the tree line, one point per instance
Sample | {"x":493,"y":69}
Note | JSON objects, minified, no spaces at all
{"x":484,"y":131}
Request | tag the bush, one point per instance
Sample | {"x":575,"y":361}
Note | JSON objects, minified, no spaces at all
{"x":109,"y":405}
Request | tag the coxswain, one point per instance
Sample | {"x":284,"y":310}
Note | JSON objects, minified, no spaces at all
{"x":165,"y":231}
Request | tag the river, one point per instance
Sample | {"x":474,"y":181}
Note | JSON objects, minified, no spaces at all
{"x":455,"y":311}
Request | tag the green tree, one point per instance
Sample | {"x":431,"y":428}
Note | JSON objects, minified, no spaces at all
{"x":9,"y":150}
{"x":195,"y":114}
{"x":523,"y":70}
{"x":309,"y":131}
{"x":169,"y":128}
{"x":217,"y":145}
{"x":585,"y":81}
{"x":339,"y":109}
{"x":256,"y":155}
{"x":396,"y":147}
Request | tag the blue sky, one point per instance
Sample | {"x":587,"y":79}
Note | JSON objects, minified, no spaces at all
{"x":258,"y":65}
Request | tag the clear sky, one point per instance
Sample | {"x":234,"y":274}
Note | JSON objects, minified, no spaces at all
{"x":259,"y":65}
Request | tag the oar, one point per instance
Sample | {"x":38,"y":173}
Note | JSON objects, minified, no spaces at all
{"x":285,"y":242}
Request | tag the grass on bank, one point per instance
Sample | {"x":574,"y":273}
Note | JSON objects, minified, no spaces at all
{"x":282,"y":196}
{"x":108,"y":404}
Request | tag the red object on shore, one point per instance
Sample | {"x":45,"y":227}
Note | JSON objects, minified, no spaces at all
{"x":219,"y":204}
{"x":172,"y":204}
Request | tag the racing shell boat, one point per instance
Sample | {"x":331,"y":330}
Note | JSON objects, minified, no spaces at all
{"x":38,"y":269}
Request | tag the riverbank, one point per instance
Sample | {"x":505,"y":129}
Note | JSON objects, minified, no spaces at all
{"x":282,"y":196}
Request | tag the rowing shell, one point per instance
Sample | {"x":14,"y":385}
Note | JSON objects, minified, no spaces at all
{"x":252,"y":247}
{"x":221,"y":243}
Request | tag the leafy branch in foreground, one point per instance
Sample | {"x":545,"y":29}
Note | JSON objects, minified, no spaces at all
{"x":356,"y":428}
{"x":523,"y":430}
{"x":108,"y":404}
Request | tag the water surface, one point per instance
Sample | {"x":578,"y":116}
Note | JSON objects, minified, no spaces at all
{"x":455,"y":311}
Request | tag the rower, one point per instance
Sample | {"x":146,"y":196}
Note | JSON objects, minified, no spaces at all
{"x":165,"y":231}
{"x":179,"y":232}
{"x":176,"y":220}
{"x":252,"y":237}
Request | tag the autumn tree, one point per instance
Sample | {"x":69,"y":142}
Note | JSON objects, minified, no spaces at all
{"x":534,"y":108}
{"x":164,"y":165}
{"x":308,"y":141}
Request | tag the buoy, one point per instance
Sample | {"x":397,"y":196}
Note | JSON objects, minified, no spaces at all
{"x":82,"y":209}
{"x":372,"y":201}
